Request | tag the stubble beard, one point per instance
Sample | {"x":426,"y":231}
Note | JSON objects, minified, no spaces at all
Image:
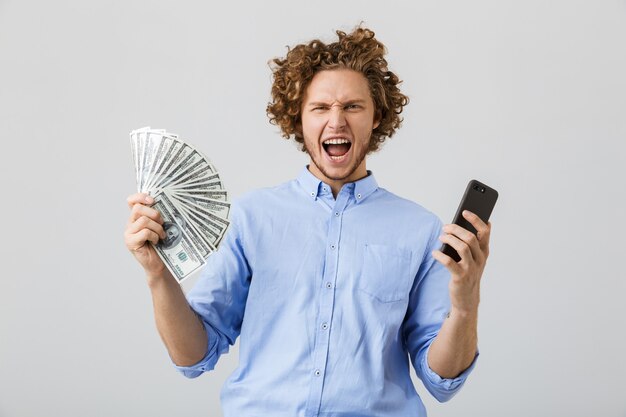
{"x":357,"y":162}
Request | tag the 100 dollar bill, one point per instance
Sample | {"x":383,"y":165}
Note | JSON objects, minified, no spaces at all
{"x":177,"y":250}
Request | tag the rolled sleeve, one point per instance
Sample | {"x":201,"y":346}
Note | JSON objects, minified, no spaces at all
{"x":217,"y":345}
{"x":219,"y":297}
{"x":443,"y":389}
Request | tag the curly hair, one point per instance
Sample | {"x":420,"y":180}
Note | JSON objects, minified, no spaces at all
{"x":358,"y":51}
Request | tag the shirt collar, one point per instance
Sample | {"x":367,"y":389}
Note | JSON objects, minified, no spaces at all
{"x":360,"y":189}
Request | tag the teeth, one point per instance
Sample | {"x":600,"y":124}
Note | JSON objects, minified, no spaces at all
{"x":335,"y":141}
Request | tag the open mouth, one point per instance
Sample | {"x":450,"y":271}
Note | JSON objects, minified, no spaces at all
{"x":336,"y":148}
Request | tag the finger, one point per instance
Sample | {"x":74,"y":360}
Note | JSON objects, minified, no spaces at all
{"x":447,"y":261}
{"x":138,"y":240}
{"x":145,"y":222}
{"x":476,"y":221}
{"x":461,"y":247}
{"x":468,"y":237}
{"x":482,"y":230}
{"x":486,"y":235}
{"x":483,"y":239}
{"x":139,"y":198}
{"x":140,"y":210}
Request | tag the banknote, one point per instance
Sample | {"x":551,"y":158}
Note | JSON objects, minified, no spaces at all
{"x":219,"y":195}
{"x":189,"y":193}
{"x":218,"y":208}
{"x":210,"y":230}
{"x":178,"y":251}
{"x":162,"y":156}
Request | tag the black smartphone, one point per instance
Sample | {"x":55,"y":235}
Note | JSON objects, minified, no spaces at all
{"x":480,"y":199}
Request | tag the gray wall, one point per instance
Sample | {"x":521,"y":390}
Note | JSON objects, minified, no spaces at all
{"x":529,"y":97}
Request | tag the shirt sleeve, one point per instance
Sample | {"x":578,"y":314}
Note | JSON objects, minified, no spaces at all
{"x":429,"y":305}
{"x":219,"y":296}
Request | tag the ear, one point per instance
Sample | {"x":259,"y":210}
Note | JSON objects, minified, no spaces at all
{"x":298,"y":127}
{"x":377,"y":119}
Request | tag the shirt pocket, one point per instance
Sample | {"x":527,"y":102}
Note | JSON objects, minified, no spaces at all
{"x":386,"y":273}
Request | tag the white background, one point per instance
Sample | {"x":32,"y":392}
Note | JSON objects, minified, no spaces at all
{"x":528,"y":97}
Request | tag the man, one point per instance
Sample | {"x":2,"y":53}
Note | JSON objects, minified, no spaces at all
{"x":332,"y":282}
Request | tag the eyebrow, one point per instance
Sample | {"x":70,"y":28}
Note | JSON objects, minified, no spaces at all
{"x":320,"y":103}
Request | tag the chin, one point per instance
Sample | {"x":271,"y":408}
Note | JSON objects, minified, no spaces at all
{"x":335,"y":173}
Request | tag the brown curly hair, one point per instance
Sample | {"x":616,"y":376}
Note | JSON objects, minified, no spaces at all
{"x":358,"y":51}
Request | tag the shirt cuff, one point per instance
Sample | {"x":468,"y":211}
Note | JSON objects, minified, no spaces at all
{"x":444,"y":388}
{"x":214,"y":350}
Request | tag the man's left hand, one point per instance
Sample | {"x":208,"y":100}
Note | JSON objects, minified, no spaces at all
{"x":473,"y":250}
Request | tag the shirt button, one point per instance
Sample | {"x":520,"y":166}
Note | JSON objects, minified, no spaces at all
{"x":312,"y":194}
{"x":324,"y":326}
{"x":329,"y":285}
{"x":358,"y":196}
{"x":332,"y":246}
{"x":318,"y":372}
{"x":336,"y":214}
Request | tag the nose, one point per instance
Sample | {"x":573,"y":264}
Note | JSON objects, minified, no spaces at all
{"x":336,"y":120}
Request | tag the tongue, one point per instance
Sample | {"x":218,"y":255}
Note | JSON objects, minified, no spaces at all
{"x":337,"y":150}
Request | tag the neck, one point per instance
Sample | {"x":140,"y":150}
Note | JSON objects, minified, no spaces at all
{"x":336,"y":184}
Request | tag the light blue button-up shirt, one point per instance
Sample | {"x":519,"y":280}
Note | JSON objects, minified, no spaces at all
{"x":331,"y":298}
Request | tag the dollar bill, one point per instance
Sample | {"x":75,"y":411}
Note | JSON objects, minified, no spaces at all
{"x":151,"y":142}
{"x":217,"y":207}
{"x":219,"y":195}
{"x":195,"y":168}
{"x":168,"y":143}
{"x":189,"y":194}
{"x":177,"y":250}
{"x":212,"y":231}
{"x":211,"y":182}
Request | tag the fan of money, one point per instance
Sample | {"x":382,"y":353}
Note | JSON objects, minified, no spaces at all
{"x":189,"y":194}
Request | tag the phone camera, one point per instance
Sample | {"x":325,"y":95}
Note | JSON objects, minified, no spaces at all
{"x":479,"y":188}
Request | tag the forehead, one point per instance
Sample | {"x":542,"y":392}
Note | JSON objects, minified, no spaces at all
{"x":337,"y":85}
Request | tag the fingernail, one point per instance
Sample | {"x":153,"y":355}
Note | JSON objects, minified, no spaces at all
{"x":149,"y":200}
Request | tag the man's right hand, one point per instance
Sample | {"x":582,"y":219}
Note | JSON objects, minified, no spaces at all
{"x":144,"y":226}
